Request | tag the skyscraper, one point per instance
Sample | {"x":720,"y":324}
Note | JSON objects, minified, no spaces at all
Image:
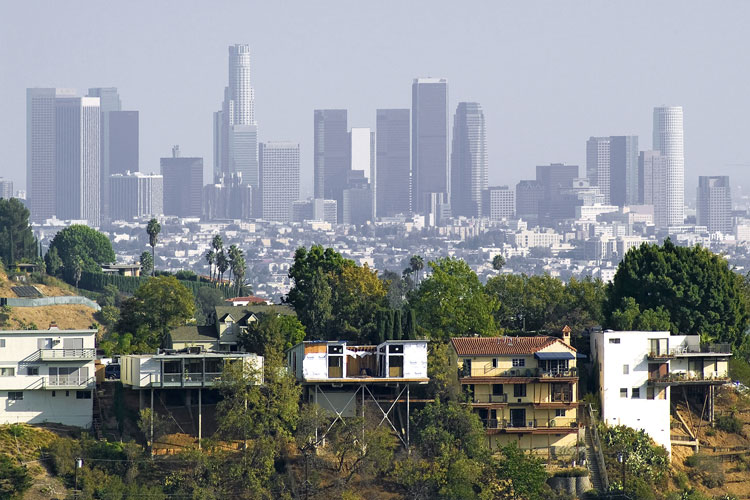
{"x":235,"y":129}
{"x":714,"y":203}
{"x":529,"y":197}
{"x":498,"y":202}
{"x":41,"y":175}
{"x":183,"y":185}
{"x":429,"y":133}
{"x":652,"y":184}
{"x":77,"y":158}
{"x":392,"y":180}
{"x":6,"y":188}
{"x":229,"y":198}
{"x":119,"y":140}
{"x":668,"y":139}
{"x":279,"y":179}
{"x":136,"y":195}
{"x":331,"y":155}
{"x":555,"y":178}
{"x":598,"y":164}
{"x":623,"y":170}
{"x":468,"y":160}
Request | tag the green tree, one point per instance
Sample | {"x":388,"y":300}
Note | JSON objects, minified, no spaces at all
{"x":17,"y":242}
{"x":160,"y":303}
{"x":222,"y":264}
{"x":147,"y":264}
{"x":153,"y":229}
{"x":498,"y":261}
{"x":206,"y":299}
{"x":388,"y":324}
{"x":53,"y":262}
{"x":211,"y":259}
{"x":318,"y":314}
{"x":272,"y":331}
{"x":695,"y":287}
{"x":14,"y":478}
{"x":442,"y":373}
{"x":452,"y":302}
{"x":527,"y":474}
{"x":410,"y":328}
{"x":306,"y":266}
{"x":81,"y":242}
{"x":398,"y":328}
{"x":416,"y":264}
{"x":237,"y":265}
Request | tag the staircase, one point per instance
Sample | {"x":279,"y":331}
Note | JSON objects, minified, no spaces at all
{"x":594,"y":456}
{"x":96,"y":422}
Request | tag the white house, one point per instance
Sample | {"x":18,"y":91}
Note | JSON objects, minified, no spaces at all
{"x":638,"y":369}
{"x":47,"y":376}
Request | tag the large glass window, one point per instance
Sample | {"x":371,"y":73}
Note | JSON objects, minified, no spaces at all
{"x":519,"y":390}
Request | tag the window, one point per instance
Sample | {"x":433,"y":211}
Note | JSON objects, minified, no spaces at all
{"x":623,"y":392}
{"x":649,"y":392}
{"x":625,"y":369}
{"x":560,"y":412}
{"x":2,"y":342}
{"x":7,"y":372}
{"x":32,"y":370}
{"x":15,"y":396}
{"x":335,"y":349}
{"x":67,"y":393}
{"x":519,"y":390}
{"x":636,"y":393}
{"x":494,"y":362}
{"x":497,"y":389}
{"x":614,"y":341}
{"x":53,"y":394}
{"x":396,"y":349}
{"x":83,"y":394}
{"x":519,"y":362}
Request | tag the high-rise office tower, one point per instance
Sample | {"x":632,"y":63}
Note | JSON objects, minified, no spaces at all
{"x":429,"y":137}
{"x":598,"y":164}
{"x":41,"y":174}
{"x":529,"y":196}
{"x":468,"y":160}
{"x":6,"y":188}
{"x":135,"y":195}
{"x":652,"y":184}
{"x":623,"y":170}
{"x":331,"y":155}
{"x":498,"y":202}
{"x":183,"y":185}
{"x":77,"y":158}
{"x":314,"y":209}
{"x":279,"y":179}
{"x":235,"y":129}
{"x":555,"y":178}
{"x":119,"y":140}
{"x":714,"y":203}
{"x":392,"y":180}
{"x":229,"y":198}
{"x":668,"y":139}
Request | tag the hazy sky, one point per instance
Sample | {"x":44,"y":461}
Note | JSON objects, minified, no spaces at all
{"x":548,"y":74}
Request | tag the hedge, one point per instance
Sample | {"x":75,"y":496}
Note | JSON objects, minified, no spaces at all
{"x":129,"y":284}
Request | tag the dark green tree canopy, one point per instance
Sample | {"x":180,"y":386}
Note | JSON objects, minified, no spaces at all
{"x":17,"y":242}
{"x":82,"y":242}
{"x":693,"y":287}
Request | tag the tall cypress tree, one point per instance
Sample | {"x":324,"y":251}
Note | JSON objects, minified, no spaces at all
{"x":388,"y":324}
{"x":397,"y":326}
{"x":411,"y":325}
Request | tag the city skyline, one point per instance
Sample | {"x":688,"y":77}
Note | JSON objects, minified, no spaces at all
{"x":516,"y":141}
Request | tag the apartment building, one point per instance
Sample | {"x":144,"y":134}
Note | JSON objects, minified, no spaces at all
{"x":638,"y":370}
{"x":47,"y":376}
{"x":524,"y":389}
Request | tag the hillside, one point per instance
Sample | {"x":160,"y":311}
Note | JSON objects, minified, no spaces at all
{"x":66,"y":316}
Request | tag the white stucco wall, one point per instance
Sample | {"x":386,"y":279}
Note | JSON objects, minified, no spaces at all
{"x":415,"y":360}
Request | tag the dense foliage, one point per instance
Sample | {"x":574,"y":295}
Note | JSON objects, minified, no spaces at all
{"x":693,"y":287}
{"x":79,"y":247}
{"x":17,"y":242}
{"x":14,"y":478}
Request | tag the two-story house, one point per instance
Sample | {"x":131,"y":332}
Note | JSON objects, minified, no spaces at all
{"x":47,"y":376}
{"x":226,"y":324}
{"x":524,"y":389}
{"x":638,"y":370}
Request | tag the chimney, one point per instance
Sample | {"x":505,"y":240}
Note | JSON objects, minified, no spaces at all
{"x":566,"y":335}
{"x":53,"y":325}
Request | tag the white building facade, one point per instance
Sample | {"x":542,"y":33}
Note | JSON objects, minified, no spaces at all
{"x":47,"y":376}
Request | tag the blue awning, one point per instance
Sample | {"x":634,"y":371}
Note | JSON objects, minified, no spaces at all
{"x":546,"y":356}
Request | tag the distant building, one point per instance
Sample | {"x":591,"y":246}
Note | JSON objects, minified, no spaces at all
{"x":183,"y":185}
{"x":468,"y":160}
{"x":331,"y":155}
{"x":47,"y":376}
{"x":357,"y":205}
{"x":623,"y":170}
{"x":714,"y":203}
{"x":668,"y":140}
{"x":279,"y":179}
{"x":597,"y":164}
{"x":652,"y":184}
{"x":6,"y":188}
{"x":429,"y":138}
{"x":529,"y":196}
{"x":554,"y":178}
{"x":77,"y":158}
{"x":498,"y":202}
{"x":228,"y":198}
{"x":136,"y":195}
{"x":314,"y":209}
{"x":392,"y":180}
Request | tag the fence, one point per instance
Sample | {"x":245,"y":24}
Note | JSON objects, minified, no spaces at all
{"x":49,"y":301}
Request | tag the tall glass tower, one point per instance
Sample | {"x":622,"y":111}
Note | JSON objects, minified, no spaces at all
{"x":468,"y":160}
{"x":429,"y":132}
{"x":668,"y":139}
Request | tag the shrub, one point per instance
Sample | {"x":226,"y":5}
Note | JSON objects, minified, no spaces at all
{"x":729,"y":423}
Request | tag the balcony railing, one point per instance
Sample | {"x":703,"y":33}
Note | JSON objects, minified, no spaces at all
{"x":184,"y":379}
{"x":491,"y":398}
{"x":519,"y":372}
{"x":529,"y":424}
{"x":688,"y":378}
{"x":67,"y":354}
{"x":703,"y":348}
{"x":67,"y":382}
{"x":563,"y":397}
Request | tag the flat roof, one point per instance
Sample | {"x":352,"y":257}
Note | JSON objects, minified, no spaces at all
{"x":179,"y":355}
{"x":53,"y":331}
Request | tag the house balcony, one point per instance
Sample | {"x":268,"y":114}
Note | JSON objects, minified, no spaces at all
{"x":184,"y":379}
{"x":67,"y":354}
{"x":518,"y":375}
{"x":713,"y":350}
{"x":488,"y":399}
{"x":689,"y":379}
{"x":535,"y":426}
{"x":53,"y":382}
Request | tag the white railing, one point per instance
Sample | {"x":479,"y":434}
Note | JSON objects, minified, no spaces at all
{"x":66,"y":354}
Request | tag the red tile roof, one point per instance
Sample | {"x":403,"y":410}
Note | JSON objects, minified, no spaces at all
{"x":478,"y":346}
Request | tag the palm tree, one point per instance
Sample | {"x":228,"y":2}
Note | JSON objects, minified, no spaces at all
{"x":153,"y":229}
{"x":222,"y":264}
{"x":237,"y":261}
{"x":233,"y":254}
{"x":217,"y":244}
{"x":416,"y":263}
{"x":210,"y":258}
{"x":498,"y":261}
